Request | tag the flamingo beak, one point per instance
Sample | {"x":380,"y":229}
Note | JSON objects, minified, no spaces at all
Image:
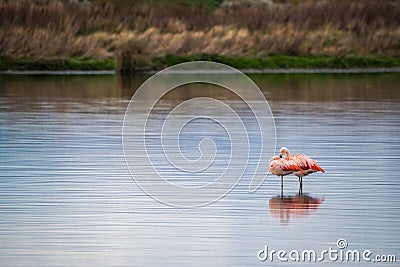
{"x":280,"y":156}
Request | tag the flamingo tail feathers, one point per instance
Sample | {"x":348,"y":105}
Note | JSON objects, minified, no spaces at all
{"x":317,"y":167}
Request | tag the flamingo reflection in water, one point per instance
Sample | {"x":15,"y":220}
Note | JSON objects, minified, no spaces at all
{"x":287,"y":207}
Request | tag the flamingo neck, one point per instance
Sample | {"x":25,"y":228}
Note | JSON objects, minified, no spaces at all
{"x":287,"y":154}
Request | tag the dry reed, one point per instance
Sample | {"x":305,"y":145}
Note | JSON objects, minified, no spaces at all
{"x":61,"y":29}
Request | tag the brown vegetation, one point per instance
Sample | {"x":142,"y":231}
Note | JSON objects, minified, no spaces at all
{"x":100,"y":29}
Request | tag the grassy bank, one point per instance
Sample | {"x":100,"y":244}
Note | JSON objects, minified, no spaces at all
{"x":84,"y":64}
{"x":270,"y":62}
{"x":139,"y":34}
{"x":285,"y":62}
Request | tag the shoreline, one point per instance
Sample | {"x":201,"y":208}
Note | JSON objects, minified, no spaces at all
{"x":140,"y":36}
{"x":246,"y":71}
{"x":279,"y":64}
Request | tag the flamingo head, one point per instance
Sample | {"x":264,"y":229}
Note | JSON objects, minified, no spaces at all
{"x":284,"y":151}
{"x":273,"y":158}
{"x":271,"y":163}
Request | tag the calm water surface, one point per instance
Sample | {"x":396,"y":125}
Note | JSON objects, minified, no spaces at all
{"x":67,"y":197}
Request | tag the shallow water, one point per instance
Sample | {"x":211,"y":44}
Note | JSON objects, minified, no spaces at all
{"x":67,"y":197}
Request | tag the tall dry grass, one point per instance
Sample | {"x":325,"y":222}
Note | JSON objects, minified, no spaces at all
{"x":100,"y":29}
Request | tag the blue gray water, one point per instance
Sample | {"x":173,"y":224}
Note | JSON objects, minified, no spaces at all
{"x":67,"y":197}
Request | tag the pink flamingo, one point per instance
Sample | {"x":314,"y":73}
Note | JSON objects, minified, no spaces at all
{"x":307,"y":164}
{"x":282,"y":167}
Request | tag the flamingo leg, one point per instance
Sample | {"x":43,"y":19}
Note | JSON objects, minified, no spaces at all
{"x":281,"y":185}
{"x":301,"y":185}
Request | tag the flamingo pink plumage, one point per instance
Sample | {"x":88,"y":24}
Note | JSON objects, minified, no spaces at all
{"x":281,"y":167}
{"x":307,"y":164}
